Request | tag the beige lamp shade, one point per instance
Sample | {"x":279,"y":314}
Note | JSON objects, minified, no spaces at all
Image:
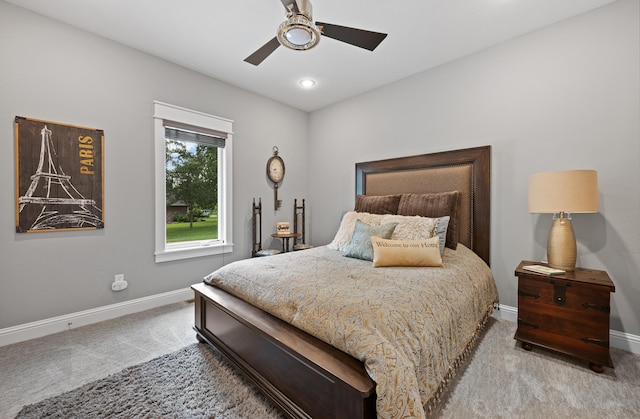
{"x":565,"y":191}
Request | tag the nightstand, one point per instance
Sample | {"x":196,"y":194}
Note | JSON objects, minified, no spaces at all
{"x":568,"y":313}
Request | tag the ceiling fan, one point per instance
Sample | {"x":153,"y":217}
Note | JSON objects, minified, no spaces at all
{"x":298,"y":32}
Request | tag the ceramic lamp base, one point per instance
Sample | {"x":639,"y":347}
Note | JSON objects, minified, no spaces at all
{"x":561,"y":245}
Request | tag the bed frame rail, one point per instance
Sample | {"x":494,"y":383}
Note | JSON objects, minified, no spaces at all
{"x":302,"y":375}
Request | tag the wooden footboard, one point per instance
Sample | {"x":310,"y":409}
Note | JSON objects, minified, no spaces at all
{"x":302,"y":375}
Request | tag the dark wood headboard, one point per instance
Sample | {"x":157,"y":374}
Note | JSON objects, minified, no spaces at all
{"x":466,"y":170}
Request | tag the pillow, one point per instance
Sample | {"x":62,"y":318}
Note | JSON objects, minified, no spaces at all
{"x":411,"y":228}
{"x":406,"y":252}
{"x":441,"y":232}
{"x":347,"y":225}
{"x":435,"y":205}
{"x":360,"y":245}
{"x":381,"y":204}
{"x":417,"y":228}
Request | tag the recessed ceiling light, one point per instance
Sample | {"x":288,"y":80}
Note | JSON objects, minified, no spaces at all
{"x":307,"y":83}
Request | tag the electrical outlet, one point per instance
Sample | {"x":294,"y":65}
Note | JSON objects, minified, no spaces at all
{"x":119,"y":285}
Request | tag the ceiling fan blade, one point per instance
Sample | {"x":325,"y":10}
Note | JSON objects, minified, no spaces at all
{"x":358,"y":37}
{"x":263,"y":52}
{"x":290,"y":5}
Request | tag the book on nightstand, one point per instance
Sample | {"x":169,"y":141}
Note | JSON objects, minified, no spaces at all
{"x":544,"y":270}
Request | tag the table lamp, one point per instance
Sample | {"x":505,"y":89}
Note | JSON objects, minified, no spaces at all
{"x":563,"y":193}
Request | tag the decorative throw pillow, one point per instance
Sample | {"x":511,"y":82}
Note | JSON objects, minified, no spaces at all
{"x":441,"y":231}
{"x":406,"y":252}
{"x":435,"y":205}
{"x":377,"y":204}
{"x":360,"y":245}
{"x":411,"y":228}
{"x":347,"y":225}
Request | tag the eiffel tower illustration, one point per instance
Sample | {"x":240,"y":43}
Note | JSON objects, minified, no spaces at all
{"x":62,"y":205}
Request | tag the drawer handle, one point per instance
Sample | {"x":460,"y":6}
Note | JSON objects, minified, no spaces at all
{"x":528,"y":294}
{"x":595,"y":341}
{"x":526,"y":323}
{"x":605,"y":309}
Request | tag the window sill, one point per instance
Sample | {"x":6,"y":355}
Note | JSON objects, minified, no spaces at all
{"x":192,"y":252}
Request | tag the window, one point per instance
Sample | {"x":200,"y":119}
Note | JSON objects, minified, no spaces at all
{"x":193,"y":183}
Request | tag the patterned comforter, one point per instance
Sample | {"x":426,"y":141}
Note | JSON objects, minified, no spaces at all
{"x":411,"y":327}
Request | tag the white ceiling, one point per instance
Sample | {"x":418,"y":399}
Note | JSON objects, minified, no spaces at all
{"x":213,"y":37}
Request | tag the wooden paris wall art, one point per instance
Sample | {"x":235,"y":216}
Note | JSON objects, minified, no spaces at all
{"x":59,"y":176}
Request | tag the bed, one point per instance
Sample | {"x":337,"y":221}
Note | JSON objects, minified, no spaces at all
{"x":306,"y":367}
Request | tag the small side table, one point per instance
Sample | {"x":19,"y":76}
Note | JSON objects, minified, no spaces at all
{"x":568,"y":313}
{"x":285,"y":239}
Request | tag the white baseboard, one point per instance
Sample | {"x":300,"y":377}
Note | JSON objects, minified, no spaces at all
{"x":506,"y":313}
{"x":624,"y":341}
{"x":45,"y":327}
{"x":620,"y":340}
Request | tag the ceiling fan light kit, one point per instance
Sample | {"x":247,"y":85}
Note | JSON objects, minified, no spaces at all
{"x":298,"y":32}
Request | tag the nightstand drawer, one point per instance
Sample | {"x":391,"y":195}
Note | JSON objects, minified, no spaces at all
{"x":543,"y":291}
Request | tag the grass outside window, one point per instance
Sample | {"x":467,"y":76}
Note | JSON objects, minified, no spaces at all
{"x":203,"y":229}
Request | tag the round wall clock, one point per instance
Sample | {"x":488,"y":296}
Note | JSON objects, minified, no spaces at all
{"x":275,"y":173}
{"x":275,"y":167}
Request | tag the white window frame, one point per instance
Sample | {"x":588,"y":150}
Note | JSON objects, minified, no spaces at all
{"x":164,"y":251}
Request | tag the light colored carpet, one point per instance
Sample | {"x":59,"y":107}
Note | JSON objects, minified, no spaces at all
{"x":40,"y":368}
{"x":501,"y":379}
{"x":505,"y":381}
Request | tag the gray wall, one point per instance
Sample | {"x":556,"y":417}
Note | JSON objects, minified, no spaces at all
{"x":53,"y":72}
{"x":564,"y":97}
